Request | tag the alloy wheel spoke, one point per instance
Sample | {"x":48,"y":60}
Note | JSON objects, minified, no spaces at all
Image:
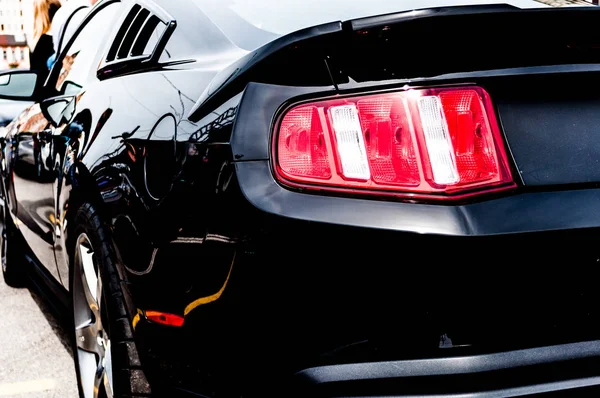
{"x":98,"y":381}
{"x":93,"y":342}
{"x":89,"y":279}
{"x":99,"y":300}
{"x":87,"y":339}
{"x":108,"y":383}
{"x":88,"y":368}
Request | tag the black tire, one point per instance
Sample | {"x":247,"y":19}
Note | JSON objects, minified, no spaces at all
{"x":14,"y":264}
{"x":128,"y":378}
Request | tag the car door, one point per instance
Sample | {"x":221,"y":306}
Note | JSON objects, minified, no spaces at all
{"x":39,"y":141}
{"x":29,"y":182}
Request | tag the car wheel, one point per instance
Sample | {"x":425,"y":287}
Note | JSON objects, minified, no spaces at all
{"x":14,"y":266}
{"x":104,"y":351}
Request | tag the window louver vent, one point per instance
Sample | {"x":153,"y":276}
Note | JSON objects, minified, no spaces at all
{"x":141,"y":37}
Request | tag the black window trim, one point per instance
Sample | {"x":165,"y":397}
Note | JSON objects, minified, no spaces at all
{"x":146,"y":28}
{"x":124,"y":24}
{"x":49,"y":88}
{"x":120,"y":65}
{"x":135,"y":18}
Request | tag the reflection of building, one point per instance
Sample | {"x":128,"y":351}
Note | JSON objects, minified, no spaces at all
{"x":16,"y":17}
{"x":67,"y":63}
{"x":14,"y":52}
{"x":16,"y":24}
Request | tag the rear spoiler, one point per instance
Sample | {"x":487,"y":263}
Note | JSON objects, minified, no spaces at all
{"x":414,"y":44}
{"x":231,"y":80}
{"x":414,"y":15}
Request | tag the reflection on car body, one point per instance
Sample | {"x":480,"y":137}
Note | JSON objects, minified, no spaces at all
{"x":314,"y":198}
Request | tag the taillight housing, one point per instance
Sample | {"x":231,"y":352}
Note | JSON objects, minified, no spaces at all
{"x":440,"y":143}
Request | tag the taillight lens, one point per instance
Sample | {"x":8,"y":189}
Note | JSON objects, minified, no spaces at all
{"x":434,"y":142}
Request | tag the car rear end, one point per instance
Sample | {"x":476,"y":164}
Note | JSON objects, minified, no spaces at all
{"x":425,"y":223}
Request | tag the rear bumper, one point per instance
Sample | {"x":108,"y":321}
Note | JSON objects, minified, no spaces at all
{"x":524,"y":372}
{"x":516,"y":212}
{"x":333,"y":297}
{"x":557,"y":371}
{"x":328,"y":311}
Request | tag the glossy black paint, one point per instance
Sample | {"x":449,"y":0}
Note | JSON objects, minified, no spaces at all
{"x":382,"y":374}
{"x":552,"y":133}
{"x":303,"y":66}
{"x":174,"y":150}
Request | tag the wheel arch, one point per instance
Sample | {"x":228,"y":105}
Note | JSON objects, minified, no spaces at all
{"x":76,"y":188}
{"x":83,"y":189}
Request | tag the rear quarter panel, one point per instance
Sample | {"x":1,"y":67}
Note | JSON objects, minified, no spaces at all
{"x":156,"y":177}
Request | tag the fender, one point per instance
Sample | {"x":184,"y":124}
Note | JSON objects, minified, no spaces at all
{"x":175,"y":248}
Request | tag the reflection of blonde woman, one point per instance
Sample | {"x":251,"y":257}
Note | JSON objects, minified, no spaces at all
{"x":43,"y":12}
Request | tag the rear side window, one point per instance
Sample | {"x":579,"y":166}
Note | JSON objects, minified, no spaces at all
{"x":148,"y":37}
{"x":82,"y":56}
{"x":140,"y":33}
{"x":112,"y":53}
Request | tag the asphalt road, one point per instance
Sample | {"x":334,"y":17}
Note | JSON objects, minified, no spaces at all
{"x":35,"y":356}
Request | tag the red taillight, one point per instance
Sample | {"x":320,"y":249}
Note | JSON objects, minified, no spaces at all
{"x":302,"y":132}
{"x":165,"y":318}
{"x":434,"y":141}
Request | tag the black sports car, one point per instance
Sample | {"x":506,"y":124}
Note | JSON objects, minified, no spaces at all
{"x":315,"y":199}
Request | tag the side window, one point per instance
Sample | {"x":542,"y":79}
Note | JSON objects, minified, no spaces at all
{"x":140,"y":33}
{"x":152,"y":32}
{"x":82,"y":55}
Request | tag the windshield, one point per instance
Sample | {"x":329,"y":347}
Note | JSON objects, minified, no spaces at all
{"x":251,"y":24}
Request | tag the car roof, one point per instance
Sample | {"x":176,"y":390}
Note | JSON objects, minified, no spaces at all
{"x":251,"y":24}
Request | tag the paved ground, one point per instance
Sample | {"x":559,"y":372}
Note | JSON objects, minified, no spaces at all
{"x":35,"y":357}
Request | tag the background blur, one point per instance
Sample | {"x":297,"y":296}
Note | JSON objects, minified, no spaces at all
{"x":16,"y":24}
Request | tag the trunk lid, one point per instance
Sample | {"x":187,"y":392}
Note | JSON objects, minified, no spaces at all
{"x":541,"y":68}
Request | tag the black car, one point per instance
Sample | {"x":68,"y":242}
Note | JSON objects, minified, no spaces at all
{"x":315,"y":199}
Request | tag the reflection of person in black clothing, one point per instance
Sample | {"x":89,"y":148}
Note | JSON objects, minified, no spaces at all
{"x":43,"y":12}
